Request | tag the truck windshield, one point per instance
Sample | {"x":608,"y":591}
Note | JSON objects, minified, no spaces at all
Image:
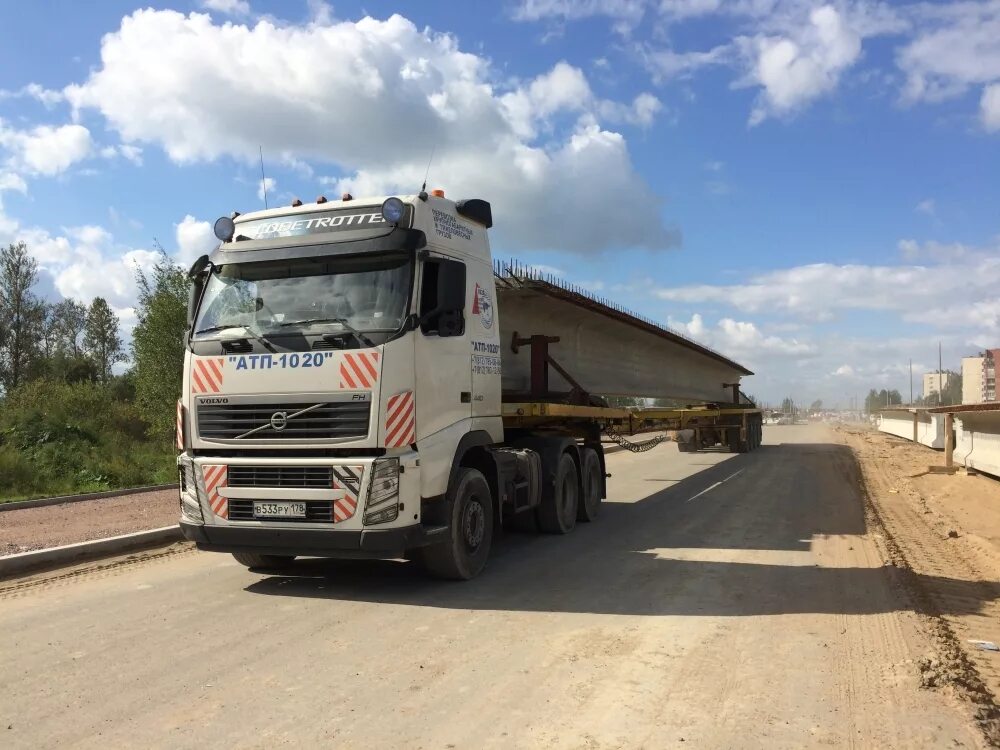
{"x":354,"y":295}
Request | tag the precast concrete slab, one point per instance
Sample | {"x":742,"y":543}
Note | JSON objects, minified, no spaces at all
{"x":977,"y":441}
{"x":604,"y":348}
{"x":918,"y":425}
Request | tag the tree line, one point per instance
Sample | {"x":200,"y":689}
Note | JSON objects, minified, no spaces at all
{"x":70,"y":342}
{"x":66,"y":340}
{"x":71,"y":420}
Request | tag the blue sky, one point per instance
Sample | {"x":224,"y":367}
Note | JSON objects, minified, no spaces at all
{"x":811,"y":188}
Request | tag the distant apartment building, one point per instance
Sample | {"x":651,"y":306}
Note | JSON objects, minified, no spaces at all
{"x":979,"y":377}
{"x":934,"y":382}
{"x":972,"y":379}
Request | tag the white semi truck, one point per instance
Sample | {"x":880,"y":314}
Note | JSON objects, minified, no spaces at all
{"x":353,"y":389}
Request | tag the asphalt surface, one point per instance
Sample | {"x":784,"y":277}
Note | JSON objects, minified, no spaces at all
{"x":720,"y":601}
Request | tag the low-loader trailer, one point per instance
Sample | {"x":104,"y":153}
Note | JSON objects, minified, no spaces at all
{"x":362,"y":380}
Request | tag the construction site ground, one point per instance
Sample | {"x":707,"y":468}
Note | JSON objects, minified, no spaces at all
{"x":28,"y":529}
{"x":794,"y":596}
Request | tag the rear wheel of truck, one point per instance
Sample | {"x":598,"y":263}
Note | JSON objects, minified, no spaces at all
{"x":557,"y":512}
{"x":254,"y":560}
{"x":590,"y":502}
{"x":464,"y":553}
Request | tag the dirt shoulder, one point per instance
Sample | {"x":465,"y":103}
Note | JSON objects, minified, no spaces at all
{"x":942,"y":534}
{"x":54,"y":525}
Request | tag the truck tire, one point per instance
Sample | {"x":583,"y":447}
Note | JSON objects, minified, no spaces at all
{"x":557,"y":512}
{"x":590,"y":499}
{"x":464,"y":553}
{"x":255,"y":560}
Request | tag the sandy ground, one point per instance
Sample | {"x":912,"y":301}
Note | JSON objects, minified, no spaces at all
{"x":943,"y":534}
{"x":54,"y":525}
{"x":720,"y":601}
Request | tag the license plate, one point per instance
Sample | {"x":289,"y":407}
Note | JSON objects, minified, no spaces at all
{"x":279,"y":510}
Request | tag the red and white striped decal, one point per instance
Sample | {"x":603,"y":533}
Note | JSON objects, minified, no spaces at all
{"x":399,"y":421}
{"x":216,"y":477}
{"x":206,"y":375}
{"x":359,"y":370}
{"x":348,"y":479}
{"x":180,"y":426}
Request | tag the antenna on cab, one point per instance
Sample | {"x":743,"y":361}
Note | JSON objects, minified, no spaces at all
{"x":263,"y":180}
{"x":423,"y":188}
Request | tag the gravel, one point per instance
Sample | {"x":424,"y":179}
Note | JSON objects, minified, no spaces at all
{"x":38,"y":528}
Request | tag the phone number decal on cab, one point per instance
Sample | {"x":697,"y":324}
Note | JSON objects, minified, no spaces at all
{"x":279,"y":361}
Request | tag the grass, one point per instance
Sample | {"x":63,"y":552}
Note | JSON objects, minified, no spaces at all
{"x":62,"y":439}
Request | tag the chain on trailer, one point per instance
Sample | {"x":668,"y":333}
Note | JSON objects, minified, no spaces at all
{"x":640,"y":447}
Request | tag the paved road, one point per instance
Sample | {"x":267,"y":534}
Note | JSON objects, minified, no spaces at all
{"x":721,"y":600}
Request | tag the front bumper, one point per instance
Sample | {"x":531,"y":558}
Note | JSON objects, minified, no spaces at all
{"x":383,"y":543}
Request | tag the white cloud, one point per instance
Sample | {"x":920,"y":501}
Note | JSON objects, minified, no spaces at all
{"x":844,"y":371}
{"x":35,"y":91}
{"x":411,"y":91}
{"x":665,"y":64}
{"x":194,"y":239}
{"x":626,"y":13}
{"x":229,"y":7}
{"x":267,"y":185}
{"x":541,"y":268}
{"x":743,"y":340}
{"x":927,"y":207}
{"x":794,"y":70}
{"x":817,"y":291}
{"x":45,"y":150}
{"x":939,"y":252}
{"x":12,"y":181}
{"x":989,"y":107}
{"x":958,"y":46}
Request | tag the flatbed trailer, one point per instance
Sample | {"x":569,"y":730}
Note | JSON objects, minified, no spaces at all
{"x":692,"y":427}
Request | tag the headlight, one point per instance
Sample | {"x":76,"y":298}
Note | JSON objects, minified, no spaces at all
{"x":385,"y":481}
{"x":392,"y":210}
{"x":383,"y":489}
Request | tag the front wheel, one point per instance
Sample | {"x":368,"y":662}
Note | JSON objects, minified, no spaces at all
{"x":464,"y":553}
{"x":255,"y":560}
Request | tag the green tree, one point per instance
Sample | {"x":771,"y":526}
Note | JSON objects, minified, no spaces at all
{"x":952,"y":391}
{"x":22,"y":315}
{"x":158,"y":344}
{"x":69,"y":319}
{"x":817,"y":405}
{"x":787,"y":405}
{"x":101,"y":339}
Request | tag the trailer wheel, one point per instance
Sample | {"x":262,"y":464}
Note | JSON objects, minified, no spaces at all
{"x":557,"y":512}
{"x":255,"y":560}
{"x":464,"y":553}
{"x":590,"y":501}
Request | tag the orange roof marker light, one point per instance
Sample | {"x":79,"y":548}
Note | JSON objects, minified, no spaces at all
{"x":437,"y":193}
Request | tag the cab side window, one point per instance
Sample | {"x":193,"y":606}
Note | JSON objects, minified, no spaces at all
{"x":442,"y":298}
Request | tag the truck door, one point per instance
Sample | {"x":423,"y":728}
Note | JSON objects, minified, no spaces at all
{"x":443,"y":362}
{"x":484,"y":340}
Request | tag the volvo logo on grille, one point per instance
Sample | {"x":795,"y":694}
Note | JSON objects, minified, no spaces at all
{"x":279,"y":420}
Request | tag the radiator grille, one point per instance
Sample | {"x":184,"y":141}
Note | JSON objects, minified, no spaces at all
{"x":317,"y":511}
{"x":344,"y":419}
{"x":280,"y":476}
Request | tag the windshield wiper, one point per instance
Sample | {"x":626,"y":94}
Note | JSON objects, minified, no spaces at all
{"x":213,"y":329}
{"x":350,"y":329}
